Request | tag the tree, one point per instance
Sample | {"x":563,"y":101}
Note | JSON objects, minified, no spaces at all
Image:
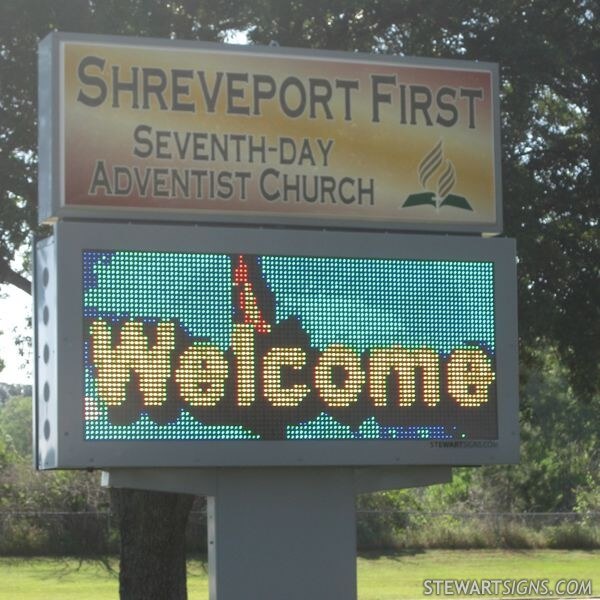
{"x":548,"y":51}
{"x":2,"y":365}
{"x":559,"y":449}
{"x":15,"y":421}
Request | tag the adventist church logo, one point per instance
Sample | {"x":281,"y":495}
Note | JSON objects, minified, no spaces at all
{"x":431,"y":165}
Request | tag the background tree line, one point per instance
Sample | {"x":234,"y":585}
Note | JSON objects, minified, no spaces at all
{"x":558,"y":473}
{"x":548,"y":51}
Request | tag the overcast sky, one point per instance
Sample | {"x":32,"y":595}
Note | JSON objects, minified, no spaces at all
{"x":15,"y":307}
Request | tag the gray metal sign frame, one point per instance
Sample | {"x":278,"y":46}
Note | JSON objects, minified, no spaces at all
{"x":59,"y":360}
{"x":51,"y":144}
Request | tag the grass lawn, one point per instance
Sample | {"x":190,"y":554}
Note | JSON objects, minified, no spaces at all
{"x":387,"y":577}
{"x":394,"y":577}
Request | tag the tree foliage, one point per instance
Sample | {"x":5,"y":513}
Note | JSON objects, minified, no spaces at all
{"x":15,"y":422}
{"x":24,"y":490}
{"x":560,"y":449}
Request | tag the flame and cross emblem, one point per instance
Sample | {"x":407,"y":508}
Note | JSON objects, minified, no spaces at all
{"x":431,"y":164}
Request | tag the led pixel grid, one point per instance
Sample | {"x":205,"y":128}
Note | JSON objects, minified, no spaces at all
{"x":190,"y":346}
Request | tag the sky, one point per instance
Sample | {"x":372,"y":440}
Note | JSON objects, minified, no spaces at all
{"x":15,"y":307}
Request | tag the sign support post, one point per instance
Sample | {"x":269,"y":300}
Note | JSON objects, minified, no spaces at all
{"x":280,"y":532}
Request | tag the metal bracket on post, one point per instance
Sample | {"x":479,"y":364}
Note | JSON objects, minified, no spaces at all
{"x":280,"y":532}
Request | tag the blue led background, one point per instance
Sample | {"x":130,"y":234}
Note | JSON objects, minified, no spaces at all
{"x":439,"y":304}
{"x":360,"y":303}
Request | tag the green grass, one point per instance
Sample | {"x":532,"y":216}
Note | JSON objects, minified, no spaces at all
{"x":380,"y":577}
{"x":33,"y":578}
{"x":399,"y":576}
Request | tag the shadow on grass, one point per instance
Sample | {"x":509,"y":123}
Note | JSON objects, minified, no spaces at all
{"x":389,"y":553}
{"x":69,"y":565}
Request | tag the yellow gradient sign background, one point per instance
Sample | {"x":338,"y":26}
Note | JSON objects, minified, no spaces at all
{"x":280,"y":135}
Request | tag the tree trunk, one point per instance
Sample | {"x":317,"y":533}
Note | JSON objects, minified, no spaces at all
{"x":152,"y":527}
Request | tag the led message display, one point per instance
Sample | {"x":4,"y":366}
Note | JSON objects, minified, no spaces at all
{"x":179,"y":130}
{"x":183,"y":345}
{"x":191,"y":346}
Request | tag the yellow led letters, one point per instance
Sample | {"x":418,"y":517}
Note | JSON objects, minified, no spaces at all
{"x":469,"y":376}
{"x":406,"y":364}
{"x":242,"y":341}
{"x":201,"y":375}
{"x":153,"y":365}
{"x":202,"y":371}
{"x":347,"y":359}
{"x":274,"y":360}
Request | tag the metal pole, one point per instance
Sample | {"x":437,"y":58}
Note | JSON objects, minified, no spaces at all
{"x":282,"y":533}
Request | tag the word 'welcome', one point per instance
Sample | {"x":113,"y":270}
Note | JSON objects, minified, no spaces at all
{"x":283,"y":376}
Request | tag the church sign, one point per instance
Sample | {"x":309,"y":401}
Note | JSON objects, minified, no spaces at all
{"x":170,"y":130}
